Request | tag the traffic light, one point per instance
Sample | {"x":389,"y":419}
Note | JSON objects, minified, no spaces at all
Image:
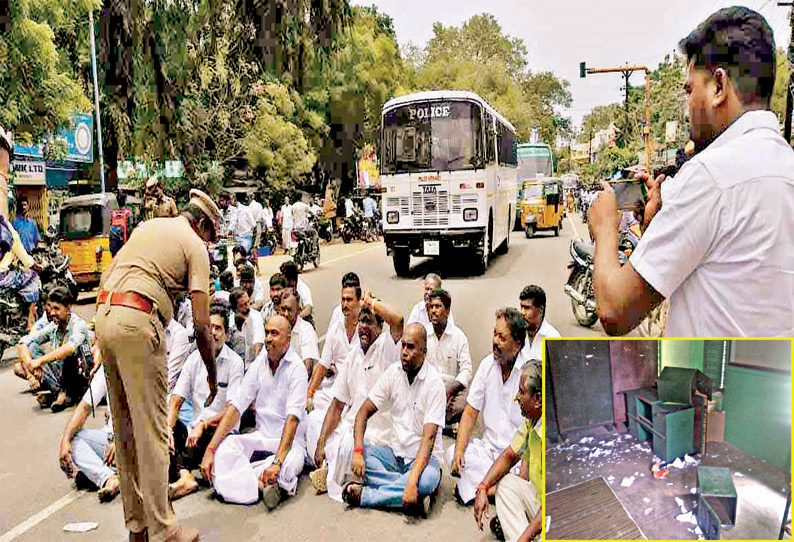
{"x":582,"y":70}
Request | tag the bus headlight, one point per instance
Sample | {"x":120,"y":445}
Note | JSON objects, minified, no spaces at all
{"x":469,"y":215}
{"x":392,"y":217}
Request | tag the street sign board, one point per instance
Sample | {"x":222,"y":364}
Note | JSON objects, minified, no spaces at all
{"x":79,"y":139}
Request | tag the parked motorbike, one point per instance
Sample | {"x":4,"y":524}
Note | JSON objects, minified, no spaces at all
{"x":580,"y":282}
{"x":358,"y":227}
{"x":52,"y":265}
{"x":308,"y":247}
{"x":325,"y":228}
{"x":13,"y":318}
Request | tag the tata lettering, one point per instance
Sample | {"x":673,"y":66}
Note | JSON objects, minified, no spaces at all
{"x":433,"y":111}
{"x":428,"y":189}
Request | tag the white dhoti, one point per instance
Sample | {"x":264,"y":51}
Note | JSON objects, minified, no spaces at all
{"x":314,"y":425}
{"x":516,"y":505}
{"x":338,"y":451}
{"x":478,"y":459}
{"x":237,"y":478}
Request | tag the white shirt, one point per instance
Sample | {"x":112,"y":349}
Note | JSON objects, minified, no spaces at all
{"x":534,"y":349}
{"x":304,"y":340}
{"x":255,"y":208}
{"x":245,"y":222}
{"x":412,"y":407}
{"x":177,"y":349}
{"x":221,"y":296}
{"x":230,"y":219}
{"x":337,"y":319}
{"x":419,"y":315}
{"x":192,"y":384}
{"x":720,"y":248}
{"x":267,"y":214}
{"x":275,"y":396}
{"x":300,"y":215}
{"x":337,"y":346}
{"x":304,"y":292}
{"x":357,"y":377}
{"x":450,"y":355}
{"x":253,"y":333}
{"x":268,"y":310}
{"x":286,"y":216}
{"x":348,"y":207}
{"x":98,"y":389}
{"x":495,"y":400}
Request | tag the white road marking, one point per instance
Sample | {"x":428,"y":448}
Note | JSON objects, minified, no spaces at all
{"x":573,"y":226}
{"x":350,"y":255}
{"x":32,"y":521}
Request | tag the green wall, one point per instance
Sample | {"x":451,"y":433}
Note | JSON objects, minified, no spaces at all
{"x":757,"y":408}
{"x":687,"y":354}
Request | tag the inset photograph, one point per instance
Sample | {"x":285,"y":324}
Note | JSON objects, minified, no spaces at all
{"x":667,"y":439}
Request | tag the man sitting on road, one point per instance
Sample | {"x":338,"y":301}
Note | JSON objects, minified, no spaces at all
{"x":303,"y":337}
{"x":327,"y":439}
{"x":271,"y":458}
{"x":189,"y":442}
{"x":340,"y":339}
{"x":448,"y":352}
{"x":405,"y":473}
{"x":290,"y":270}
{"x":492,"y":392}
{"x":533,"y":309}
{"x":221,"y":296}
{"x":419,"y":312}
{"x":277,"y":284}
{"x":252,"y":286}
{"x":249,"y":323}
{"x":60,"y":372}
{"x":90,"y":453}
{"x":517,"y":497}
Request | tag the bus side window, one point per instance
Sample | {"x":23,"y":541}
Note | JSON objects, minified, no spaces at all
{"x":490,"y":144}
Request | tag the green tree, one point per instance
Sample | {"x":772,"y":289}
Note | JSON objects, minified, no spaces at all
{"x":781,"y":85}
{"x":42,"y":87}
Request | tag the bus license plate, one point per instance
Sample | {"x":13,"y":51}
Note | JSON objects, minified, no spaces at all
{"x":431,"y":248}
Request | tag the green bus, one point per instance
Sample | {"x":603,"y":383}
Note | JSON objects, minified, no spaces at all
{"x":535,"y":160}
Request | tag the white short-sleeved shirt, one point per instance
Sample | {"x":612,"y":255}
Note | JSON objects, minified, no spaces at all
{"x":720,"y":248}
{"x":412,"y":407}
{"x":534,"y":349}
{"x":253,"y":333}
{"x":255,"y":208}
{"x":300,"y":215}
{"x":192,"y":384}
{"x":304,"y":292}
{"x":245,"y":223}
{"x":450,"y":355}
{"x":337,"y":319}
{"x":419,"y":316}
{"x":357,"y":377}
{"x":304,"y":340}
{"x":495,"y":400}
{"x":337,"y":346}
{"x":275,"y":396}
{"x":97,"y":391}
{"x":177,"y":349}
{"x":348,"y":208}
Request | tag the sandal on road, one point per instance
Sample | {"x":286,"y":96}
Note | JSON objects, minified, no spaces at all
{"x":351,"y":493}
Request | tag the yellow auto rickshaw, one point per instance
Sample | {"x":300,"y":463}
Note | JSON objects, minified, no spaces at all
{"x":542,"y":206}
{"x":85,"y":235}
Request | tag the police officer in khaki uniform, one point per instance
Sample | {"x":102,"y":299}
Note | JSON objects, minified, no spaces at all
{"x":6,"y":152}
{"x":156,"y":204}
{"x":162,"y":258}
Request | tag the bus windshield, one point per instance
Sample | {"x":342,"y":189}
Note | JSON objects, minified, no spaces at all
{"x":432,"y":136}
{"x":533,"y":192}
{"x":534,"y":161}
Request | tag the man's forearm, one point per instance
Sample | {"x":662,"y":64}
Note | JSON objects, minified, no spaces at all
{"x":230,"y":418}
{"x":331,"y":421}
{"x":390,"y":315}
{"x":318,"y":374}
{"x":60,"y":353}
{"x":533,"y":529}
{"x":76,"y":421}
{"x":204,"y":341}
{"x":173,"y":410}
{"x":287,"y":436}
{"x":500,"y":467}
{"x":467,"y":421}
{"x":423,"y":454}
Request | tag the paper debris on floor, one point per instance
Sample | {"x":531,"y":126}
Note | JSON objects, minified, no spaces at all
{"x":627,"y":481}
{"x":646,"y":499}
{"x":739,"y":474}
{"x":678,"y":463}
{"x":586,"y":440}
{"x":689,"y":517}
{"x":548,"y":523}
{"x":610,"y":479}
{"x":694,"y":491}
{"x":679,"y":502}
{"x":648,"y":511}
{"x":83,"y":527}
{"x":690,"y":460}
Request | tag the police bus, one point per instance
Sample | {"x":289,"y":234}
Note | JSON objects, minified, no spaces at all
{"x":448,"y":167}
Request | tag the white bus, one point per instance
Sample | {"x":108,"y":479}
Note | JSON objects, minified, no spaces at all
{"x":448,"y":165}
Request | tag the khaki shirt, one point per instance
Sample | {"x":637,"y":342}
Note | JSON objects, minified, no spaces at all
{"x":162,"y":258}
{"x":165,"y":208}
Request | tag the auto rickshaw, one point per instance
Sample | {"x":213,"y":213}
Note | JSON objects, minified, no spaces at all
{"x":542,"y":206}
{"x":85,"y":235}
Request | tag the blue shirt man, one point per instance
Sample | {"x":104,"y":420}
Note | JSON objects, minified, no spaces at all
{"x":26,"y":227}
{"x":369,"y":207}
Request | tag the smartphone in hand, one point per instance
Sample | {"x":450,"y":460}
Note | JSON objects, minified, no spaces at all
{"x":630,"y":195}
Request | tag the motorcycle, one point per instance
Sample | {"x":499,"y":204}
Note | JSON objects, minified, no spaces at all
{"x":358,"y":227}
{"x":13,"y":318}
{"x":325,"y":228}
{"x":580,"y":282}
{"x":52,"y":265}
{"x":219,"y":256}
{"x":308,"y":247}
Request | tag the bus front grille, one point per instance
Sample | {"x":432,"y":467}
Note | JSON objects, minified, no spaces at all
{"x":430,"y":209}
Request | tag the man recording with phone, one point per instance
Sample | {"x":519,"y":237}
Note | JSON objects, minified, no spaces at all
{"x":718,"y":234}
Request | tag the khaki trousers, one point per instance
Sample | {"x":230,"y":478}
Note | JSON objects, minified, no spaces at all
{"x":516,"y":505}
{"x":4,"y":198}
{"x":132,"y":344}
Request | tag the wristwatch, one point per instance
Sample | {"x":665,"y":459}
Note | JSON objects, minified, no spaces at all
{"x":278,"y":462}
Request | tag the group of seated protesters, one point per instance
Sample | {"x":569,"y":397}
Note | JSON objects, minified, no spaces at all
{"x":365,"y":415}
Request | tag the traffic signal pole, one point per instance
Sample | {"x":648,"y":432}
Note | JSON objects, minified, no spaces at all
{"x":627,"y":71}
